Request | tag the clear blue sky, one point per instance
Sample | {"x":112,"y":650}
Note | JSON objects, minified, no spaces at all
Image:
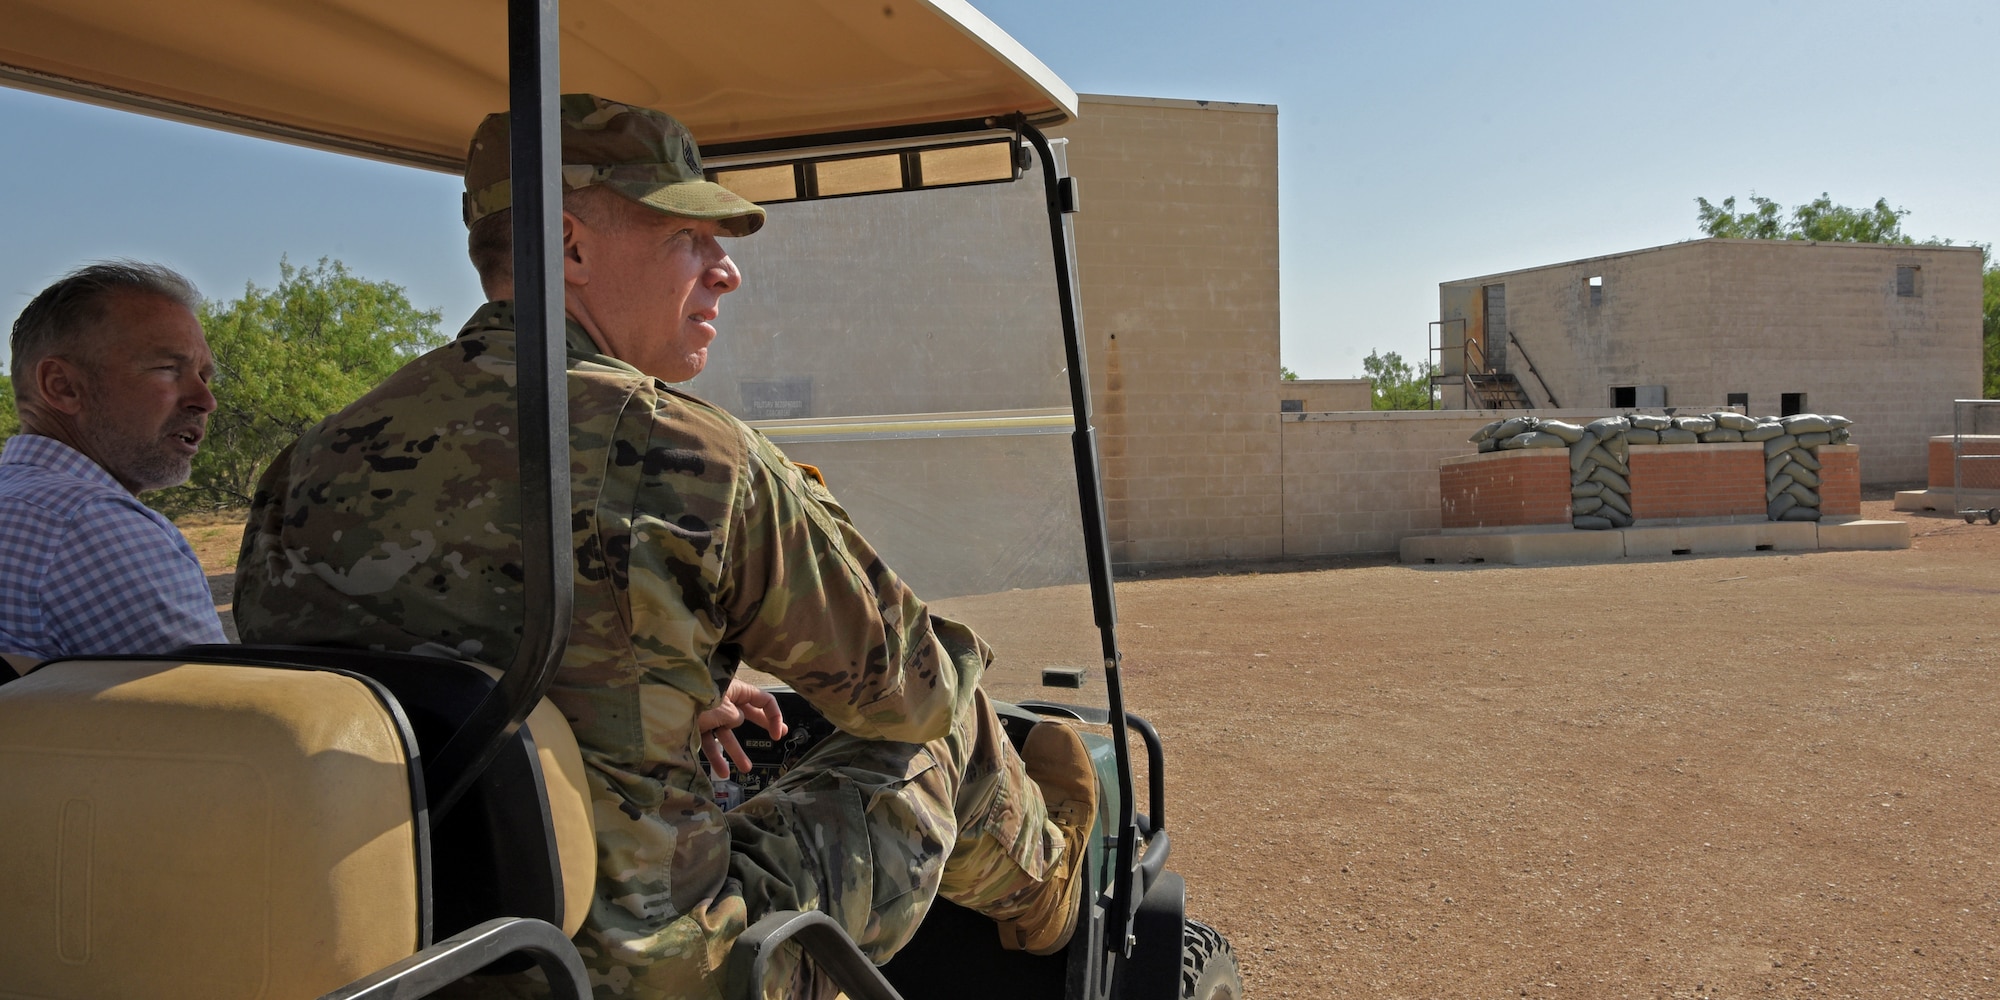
{"x":1419,"y":142}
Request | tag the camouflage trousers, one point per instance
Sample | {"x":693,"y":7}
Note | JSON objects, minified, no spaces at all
{"x":867,"y":831}
{"x":870,"y":832}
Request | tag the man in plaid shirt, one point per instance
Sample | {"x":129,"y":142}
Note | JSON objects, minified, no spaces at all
{"x":111,"y":375}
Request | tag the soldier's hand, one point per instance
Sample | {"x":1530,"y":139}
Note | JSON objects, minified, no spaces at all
{"x":742,"y":700}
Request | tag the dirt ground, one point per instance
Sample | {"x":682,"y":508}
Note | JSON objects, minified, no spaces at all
{"x":1769,"y":775}
{"x":1694,"y":777}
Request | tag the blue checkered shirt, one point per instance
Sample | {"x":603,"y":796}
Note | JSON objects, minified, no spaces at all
{"x":85,"y":568}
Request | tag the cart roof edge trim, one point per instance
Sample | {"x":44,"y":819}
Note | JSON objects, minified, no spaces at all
{"x":407,"y":83}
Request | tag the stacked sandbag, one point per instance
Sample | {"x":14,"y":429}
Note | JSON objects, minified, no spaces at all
{"x":1705,"y":428}
{"x":1517,"y":432}
{"x":1791,"y":461}
{"x":1600,"y":481}
{"x":1646,"y":428}
{"x":1729,"y":427}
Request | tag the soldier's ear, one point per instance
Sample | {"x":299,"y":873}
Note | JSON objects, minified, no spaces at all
{"x":576,"y":234}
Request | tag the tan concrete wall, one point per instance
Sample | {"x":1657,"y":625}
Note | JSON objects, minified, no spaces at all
{"x":1015,"y":497}
{"x":1708,"y":318}
{"x":951,"y":307}
{"x":1362,"y":482}
{"x":1177,"y":245}
{"x":1324,"y":395}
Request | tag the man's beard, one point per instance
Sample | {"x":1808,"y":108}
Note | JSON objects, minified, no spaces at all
{"x":140,"y":457}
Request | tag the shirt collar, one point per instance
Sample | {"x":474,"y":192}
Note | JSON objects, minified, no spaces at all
{"x":55,"y":456}
{"x":499,"y":316}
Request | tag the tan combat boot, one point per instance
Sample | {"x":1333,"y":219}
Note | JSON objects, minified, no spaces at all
{"x":1056,"y":760}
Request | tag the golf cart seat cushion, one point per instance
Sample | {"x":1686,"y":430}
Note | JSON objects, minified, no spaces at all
{"x":506,"y":798}
{"x":173,"y":829}
{"x":569,"y":811}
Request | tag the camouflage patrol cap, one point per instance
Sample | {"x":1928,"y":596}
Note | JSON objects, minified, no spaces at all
{"x":640,"y":153}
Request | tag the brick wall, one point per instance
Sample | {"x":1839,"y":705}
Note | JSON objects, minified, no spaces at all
{"x":1839,"y":480}
{"x":1697,"y":480}
{"x":1505,"y":489}
{"x":1980,"y":475}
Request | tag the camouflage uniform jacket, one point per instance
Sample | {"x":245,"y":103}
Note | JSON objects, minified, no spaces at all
{"x":394,"y":524}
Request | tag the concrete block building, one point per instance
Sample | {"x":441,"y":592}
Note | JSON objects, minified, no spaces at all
{"x":1177,"y":254}
{"x":1322,"y":395}
{"x":1177,"y":250}
{"x":1887,"y":335}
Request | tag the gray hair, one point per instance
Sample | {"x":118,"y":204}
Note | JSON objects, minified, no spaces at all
{"x":65,"y":313}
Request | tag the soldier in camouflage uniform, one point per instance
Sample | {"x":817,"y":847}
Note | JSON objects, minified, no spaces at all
{"x":698,"y":547}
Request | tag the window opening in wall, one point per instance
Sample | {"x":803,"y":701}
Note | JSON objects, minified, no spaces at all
{"x":1909,"y":280}
{"x":1291,"y":406}
{"x":1596,"y":290}
{"x":1741,"y":399}
{"x":1790,"y":403}
{"x":1624,"y":396}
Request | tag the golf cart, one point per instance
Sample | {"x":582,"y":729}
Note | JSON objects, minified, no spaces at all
{"x":300,"y":822}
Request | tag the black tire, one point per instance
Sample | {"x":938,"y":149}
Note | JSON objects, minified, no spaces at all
{"x":1208,"y":965}
{"x":1993,"y":516}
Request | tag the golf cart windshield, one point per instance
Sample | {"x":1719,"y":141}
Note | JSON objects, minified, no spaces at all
{"x":909,"y":347}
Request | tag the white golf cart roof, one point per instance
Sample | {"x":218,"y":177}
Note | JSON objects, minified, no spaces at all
{"x":407,"y":81}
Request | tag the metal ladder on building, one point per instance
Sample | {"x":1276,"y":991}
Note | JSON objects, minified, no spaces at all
{"x":1486,"y":387}
{"x":1497,"y":391}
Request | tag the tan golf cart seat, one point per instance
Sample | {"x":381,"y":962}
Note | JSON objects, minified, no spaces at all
{"x":214,"y":826}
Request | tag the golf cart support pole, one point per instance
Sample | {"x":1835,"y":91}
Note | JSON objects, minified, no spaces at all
{"x":1060,"y":194}
{"x":542,"y":398}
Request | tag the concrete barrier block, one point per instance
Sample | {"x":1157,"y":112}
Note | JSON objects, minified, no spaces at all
{"x":1710,"y":539}
{"x":1940,"y":500}
{"x":1864,"y":535}
{"x":1520,"y":548}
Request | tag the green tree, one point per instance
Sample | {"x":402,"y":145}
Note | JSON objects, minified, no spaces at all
{"x":1992,"y":327}
{"x":1397,"y":385}
{"x":10,"y":421}
{"x":287,"y":357}
{"x":1819,"y":219}
{"x":1726,"y":222}
{"x":1286,"y":374}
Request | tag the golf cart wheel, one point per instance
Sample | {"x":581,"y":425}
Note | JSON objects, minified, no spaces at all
{"x":1208,"y":965}
{"x":1993,"y":515}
